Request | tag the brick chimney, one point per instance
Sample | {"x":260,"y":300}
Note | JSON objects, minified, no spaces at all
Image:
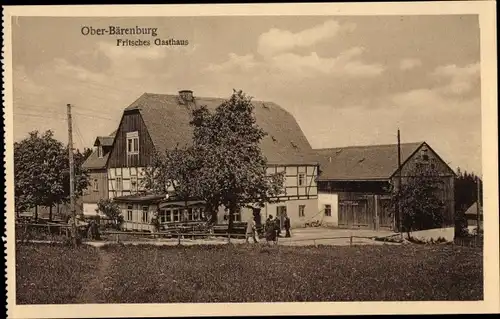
{"x":186,"y":95}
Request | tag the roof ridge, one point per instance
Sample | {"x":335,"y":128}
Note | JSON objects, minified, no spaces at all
{"x":366,"y":146}
{"x":204,"y":97}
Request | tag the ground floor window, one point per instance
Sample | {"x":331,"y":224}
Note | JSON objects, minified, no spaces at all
{"x":176,"y":215}
{"x":236,"y":216}
{"x":302,"y":210}
{"x":328,"y":210}
{"x":130,"y":209}
{"x":145,"y":213}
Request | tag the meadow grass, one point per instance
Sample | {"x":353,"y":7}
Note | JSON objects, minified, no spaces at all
{"x":248,"y":273}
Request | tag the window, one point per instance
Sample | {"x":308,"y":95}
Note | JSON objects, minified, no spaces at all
{"x":190,"y":214}
{"x":99,"y":152}
{"x":302,"y":210}
{"x":119,"y":184}
{"x":133,"y":183}
{"x":145,"y":211}
{"x":328,"y":210}
{"x":95,"y":185}
{"x":302,"y":179}
{"x":425,"y":156}
{"x":176,"y":215}
{"x":236,"y":216}
{"x":129,"y":212}
{"x":196,"y":214}
{"x":132,"y":143}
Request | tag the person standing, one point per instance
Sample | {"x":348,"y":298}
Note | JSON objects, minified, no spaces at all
{"x":277,"y":223}
{"x":251,"y":230}
{"x":270,"y":229}
{"x":287,"y":226}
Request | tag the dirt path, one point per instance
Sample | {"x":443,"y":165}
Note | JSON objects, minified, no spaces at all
{"x":93,"y":291}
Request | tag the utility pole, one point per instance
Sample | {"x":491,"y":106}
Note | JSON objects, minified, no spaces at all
{"x":400,"y":224}
{"x":71,"y":177}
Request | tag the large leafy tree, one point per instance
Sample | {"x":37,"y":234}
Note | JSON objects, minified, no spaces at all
{"x":41,"y":170}
{"x":233,"y":169}
{"x":175,"y":169}
{"x":419,"y":200}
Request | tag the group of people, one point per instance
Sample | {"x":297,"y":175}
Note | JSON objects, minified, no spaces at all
{"x":272,"y":229}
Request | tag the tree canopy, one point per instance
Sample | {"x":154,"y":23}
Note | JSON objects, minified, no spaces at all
{"x":466,"y":194}
{"x":41,"y":172}
{"x":419,"y":200}
{"x":234,"y":169}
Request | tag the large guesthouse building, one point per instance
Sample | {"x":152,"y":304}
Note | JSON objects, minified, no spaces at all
{"x":157,"y":122}
{"x":347,"y":187}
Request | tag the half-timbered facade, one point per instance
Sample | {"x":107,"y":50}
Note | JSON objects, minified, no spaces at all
{"x":354,"y":183}
{"x":157,"y":122}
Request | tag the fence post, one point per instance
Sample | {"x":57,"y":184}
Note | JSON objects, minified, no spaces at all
{"x":350,"y":241}
{"x":228,"y":237}
{"x":178,"y":238}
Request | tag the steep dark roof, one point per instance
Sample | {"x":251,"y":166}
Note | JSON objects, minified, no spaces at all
{"x":167,"y":120}
{"x":95,"y":162}
{"x":362,"y":162}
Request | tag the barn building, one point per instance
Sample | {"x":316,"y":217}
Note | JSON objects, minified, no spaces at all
{"x":156,"y":122}
{"x":354,"y":183}
{"x":95,"y":164}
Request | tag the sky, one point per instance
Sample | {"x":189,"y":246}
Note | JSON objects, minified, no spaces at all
{"x":348,"y":80}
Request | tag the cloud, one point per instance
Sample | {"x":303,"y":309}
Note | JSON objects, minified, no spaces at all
{"x":241,"y":62}
{"x":347,"y":63}
{"x":461,"y":79}
{"x":276,"y":40}
{"x":409,"y":64}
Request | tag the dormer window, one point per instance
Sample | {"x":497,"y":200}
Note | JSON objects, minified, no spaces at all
{"x":99,"y":151}
{"x":132,"y":143}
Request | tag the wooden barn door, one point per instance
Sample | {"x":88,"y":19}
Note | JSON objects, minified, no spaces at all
{"x":354,"y":213}
{"x":386,"y":220}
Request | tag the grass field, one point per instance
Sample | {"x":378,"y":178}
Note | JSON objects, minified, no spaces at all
{"x":241,"y":273}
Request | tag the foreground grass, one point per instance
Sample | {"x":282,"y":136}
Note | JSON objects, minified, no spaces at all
{"x":147,"y":274}
{"x":53,"y":274}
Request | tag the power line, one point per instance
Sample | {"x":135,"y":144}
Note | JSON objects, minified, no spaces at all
{"x":36,"y":115}
{"x":43,"y":110}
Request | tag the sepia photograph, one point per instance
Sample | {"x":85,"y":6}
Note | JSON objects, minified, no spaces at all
{"x":249,"y":158}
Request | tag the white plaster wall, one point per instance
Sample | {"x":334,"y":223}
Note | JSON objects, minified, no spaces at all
{"x":333,"y":200}
{"x":89,"y":209}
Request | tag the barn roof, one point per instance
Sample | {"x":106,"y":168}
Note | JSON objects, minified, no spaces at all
{"x":472,"y":210}
{"x":374,"y":162}
{"x":167,"y":119}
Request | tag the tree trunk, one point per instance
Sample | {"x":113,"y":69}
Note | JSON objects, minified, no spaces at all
{"x":36,"y":213}
{"x":50,"y":213}
{"x":230,"y":225}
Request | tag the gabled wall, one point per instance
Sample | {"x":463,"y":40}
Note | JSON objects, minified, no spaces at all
{"x":131,"y":122}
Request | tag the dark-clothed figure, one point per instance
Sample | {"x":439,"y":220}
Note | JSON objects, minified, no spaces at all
{"x":277,"y":223}
{"x":287,"y":226}
{"x":270,"y":229}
